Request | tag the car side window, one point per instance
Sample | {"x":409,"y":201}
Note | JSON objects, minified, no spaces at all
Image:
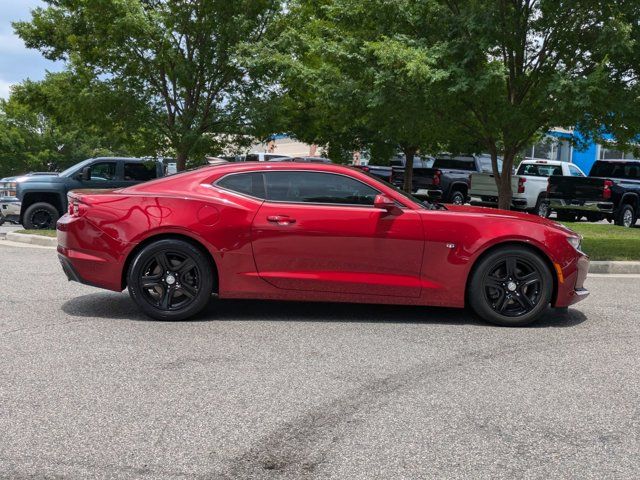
{"x":103,"y":171}
{"x":251,"y":184}
{"x":140,"y":171}
{"x":574,"y":172}
{"x":318,"y":187}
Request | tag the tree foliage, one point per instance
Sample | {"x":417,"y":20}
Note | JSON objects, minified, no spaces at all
{"x":179,"y":55}
{"x":68,"y":117}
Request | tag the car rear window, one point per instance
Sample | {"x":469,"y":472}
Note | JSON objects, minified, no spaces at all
{"x":539,"y":170}
{"x":455,"y":164}
{"x":629,"y":170}
{"x":247,"y":183}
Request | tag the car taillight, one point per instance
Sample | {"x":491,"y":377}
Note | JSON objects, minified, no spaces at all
{"x":436,"y":177}
{"x":521,"y":182}
{"x":365,"y":169}
{"x":606,"y":191}
{"x":76,"y":207}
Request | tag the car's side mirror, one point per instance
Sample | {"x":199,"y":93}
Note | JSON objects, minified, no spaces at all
{"x":385,"y":203}
{"x":85,"y":176}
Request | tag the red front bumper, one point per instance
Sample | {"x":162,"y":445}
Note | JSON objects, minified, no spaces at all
{"x":571,"y":282}
{"x":88,"y":255}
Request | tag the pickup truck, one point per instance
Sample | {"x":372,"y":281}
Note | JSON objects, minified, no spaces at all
{"x":37,"y":201}
{"x":397,"y":164}
{"x":611,"y":191}
{"x":447,"y":179}
{"x":529,"y":185}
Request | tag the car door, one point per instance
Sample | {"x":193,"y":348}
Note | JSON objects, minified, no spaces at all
{"x":102,"y":174}
{"x":319,"y":231}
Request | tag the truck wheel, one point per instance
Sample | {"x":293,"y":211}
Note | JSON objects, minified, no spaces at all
{"x":626,"y":216}
{"x":566,"y":216}
{"x":457,"y":197}
{"x":542,"y":208}
{"x":40,"y":216}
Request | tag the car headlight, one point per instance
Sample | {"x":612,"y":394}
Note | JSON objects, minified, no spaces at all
{"x":575,"y":242}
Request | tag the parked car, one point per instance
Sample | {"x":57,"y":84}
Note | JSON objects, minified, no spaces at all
{"x":310,"y":232}
{"x":447,"y":179}
{"x":529,"y":185}
{"x":611,"y":191}
{"x":37,"y":201}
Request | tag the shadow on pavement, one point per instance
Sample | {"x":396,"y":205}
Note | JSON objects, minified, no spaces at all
{"x":120,"y":306}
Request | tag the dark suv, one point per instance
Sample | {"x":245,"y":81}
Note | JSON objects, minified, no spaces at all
{"x":37,"y":201}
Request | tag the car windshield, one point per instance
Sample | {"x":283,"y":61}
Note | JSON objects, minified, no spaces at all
{"x":74,"y":168}
{"x":539,"y":170}
{"x":629,"y":170}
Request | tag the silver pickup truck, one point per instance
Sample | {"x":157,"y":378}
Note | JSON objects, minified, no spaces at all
{"x":529,"y":185}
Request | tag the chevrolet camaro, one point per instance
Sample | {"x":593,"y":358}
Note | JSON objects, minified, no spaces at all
{"x":313,"y":232}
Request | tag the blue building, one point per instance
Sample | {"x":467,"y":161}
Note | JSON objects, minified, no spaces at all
{"x":558,"y":145}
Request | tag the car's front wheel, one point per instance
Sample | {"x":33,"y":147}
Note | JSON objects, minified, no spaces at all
{"x":511,"y":286}
{"x":170,"y":279}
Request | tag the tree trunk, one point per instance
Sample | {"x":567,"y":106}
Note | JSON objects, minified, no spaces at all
{"x":409,"y":154}
{"x":505,"y":194}
{"x":181,"y":160}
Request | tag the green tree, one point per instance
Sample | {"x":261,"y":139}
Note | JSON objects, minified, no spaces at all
{"x":355,"y":74}
{"x":68,"y":117}
{"x":179,"y":55}
{"x":521,"y":67}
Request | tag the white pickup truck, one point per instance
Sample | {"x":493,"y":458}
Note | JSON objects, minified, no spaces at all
{"x":529,"y":185}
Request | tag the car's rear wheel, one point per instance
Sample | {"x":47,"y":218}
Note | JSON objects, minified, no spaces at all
{"x":170,"y":280}
{"x":511,"y":286}
{"x":40,"y":216}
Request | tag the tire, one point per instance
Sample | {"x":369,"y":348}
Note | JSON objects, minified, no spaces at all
{"x":457,"y":197}
{"x":626,"y":216}
{"x":511,"y":287}
{"x":40,"y":216}
{"x":566,"y":216}
{"x":542,"y":208}
{"x":170,"y":280}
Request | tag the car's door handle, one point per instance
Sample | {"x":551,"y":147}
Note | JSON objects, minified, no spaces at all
{"x":281,"y":219}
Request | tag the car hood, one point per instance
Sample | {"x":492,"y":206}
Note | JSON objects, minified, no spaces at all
{"x":510,"y":215}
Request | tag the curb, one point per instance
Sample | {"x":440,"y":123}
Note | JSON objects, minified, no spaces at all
{"x":32,"y":239}
{"x":614,"y":267}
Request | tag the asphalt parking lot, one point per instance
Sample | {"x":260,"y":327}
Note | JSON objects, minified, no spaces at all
{"x":90,"y":388}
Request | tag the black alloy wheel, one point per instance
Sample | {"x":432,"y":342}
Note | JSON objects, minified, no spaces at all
{"x":511,"y":286}
{"x":170,"y":280}
{"x":40,"y":216}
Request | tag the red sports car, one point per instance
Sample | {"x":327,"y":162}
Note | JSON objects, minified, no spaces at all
{"x":291,"y":231}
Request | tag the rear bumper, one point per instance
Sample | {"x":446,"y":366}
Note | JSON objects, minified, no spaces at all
{"x":88,"y":255}
{"x":581,"y":205}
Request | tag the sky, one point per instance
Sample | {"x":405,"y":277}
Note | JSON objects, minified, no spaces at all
{"x":17,"y":62}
